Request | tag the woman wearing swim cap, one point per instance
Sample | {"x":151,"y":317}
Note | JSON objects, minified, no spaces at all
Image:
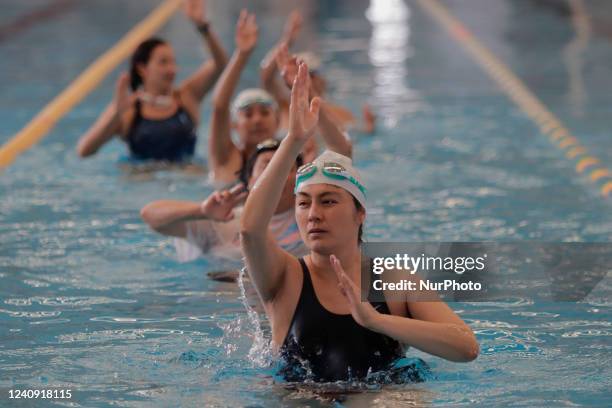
{"x":313,"y":303}
{"x":254,"y":113}
{"x":156,"y":120}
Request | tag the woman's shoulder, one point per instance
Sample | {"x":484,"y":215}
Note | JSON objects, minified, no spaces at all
{"x":187,"y":102}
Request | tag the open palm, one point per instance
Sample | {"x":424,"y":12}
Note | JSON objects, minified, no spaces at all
{"x":303,"y":117}
{"x":246,"y":31}
{"x":195,"y":11}
{"x":219,"y":206}
{"x":363,"y":312}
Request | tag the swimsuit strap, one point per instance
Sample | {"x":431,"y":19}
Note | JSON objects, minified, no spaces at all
{"x":307,"y":286}
{"x":326,"y":346}
{"x":136,"y":119}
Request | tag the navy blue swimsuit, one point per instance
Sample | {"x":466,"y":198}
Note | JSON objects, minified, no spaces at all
{"x":323,"y":346}
{"x":171,"y":139}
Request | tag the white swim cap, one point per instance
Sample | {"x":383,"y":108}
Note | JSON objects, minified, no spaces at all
{"x":335,"y":169}
{"x":252,"y":96}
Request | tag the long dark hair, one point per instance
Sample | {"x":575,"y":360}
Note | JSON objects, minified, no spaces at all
{"x":142,"y":55}
{"x":360,"y":233}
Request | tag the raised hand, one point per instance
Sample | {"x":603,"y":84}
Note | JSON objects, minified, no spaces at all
{"x":286,"y":64}
{"x":219,"y":206}
{"x":124,"y":98}
{"x":292,"y":27}
{"x":363,"y":312}
{"x":246,"y":32}
{"x":195,"y":10}
{"x":369,"y":118}
{"x":303,"y":119}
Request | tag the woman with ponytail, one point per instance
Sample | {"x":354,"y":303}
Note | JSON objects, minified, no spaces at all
{"x":154,"y":118}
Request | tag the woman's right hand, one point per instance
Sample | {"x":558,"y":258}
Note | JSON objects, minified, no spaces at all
{"x":303,"y":117}
{"x":124,"y":98}
{"x":219,"y":206}
{"x":246,"y":32}
{"x":195,"y":10}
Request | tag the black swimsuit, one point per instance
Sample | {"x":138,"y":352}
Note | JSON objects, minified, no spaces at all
{"x":323,"y":346}
{"x":171,"y":139}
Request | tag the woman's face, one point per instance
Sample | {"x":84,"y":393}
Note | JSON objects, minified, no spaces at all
{"x":256,"y":123}
{"x":327,"y":218}
{"x":159,"y":72}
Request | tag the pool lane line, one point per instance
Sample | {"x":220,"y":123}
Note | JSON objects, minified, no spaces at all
{"x":23,"y":22}
{"x":518,"y":92}
{"x":86,"y":82}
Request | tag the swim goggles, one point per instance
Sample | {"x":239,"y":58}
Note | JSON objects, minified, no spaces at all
{"x":329,"y":169}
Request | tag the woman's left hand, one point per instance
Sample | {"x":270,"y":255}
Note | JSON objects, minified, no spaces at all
{"x":363,"y":312}
{"x":196,"y":11}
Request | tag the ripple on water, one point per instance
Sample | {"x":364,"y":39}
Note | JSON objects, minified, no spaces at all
{"x":129,"y":320}
{"x":536,"y":314}
{"x":113,"y":335}
{"x":66,"y":301}
{"x":30,"y":315}
{"x":36,"y":283}
{"x":560,"y":325}
{"x":52,"y":321}
{"x":474,"y":323}
{"x":589,"y":333}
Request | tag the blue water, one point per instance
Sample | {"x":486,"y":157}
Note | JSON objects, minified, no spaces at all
{"x":92,"y":301}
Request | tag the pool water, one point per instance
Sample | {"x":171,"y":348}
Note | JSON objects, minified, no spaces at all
{"x":92,"y":301}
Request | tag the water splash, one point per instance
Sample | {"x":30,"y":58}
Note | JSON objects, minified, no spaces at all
{"x":260,"y":353}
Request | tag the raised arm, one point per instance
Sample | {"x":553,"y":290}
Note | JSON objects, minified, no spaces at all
{"x":268,"y":73}
{"x":198,"y":84}
{"x":265,"y":260}
{"x":169,"y":217}
{"x":335,"y":139}
{"x":109,"y":122}
{"x":220,"y":146}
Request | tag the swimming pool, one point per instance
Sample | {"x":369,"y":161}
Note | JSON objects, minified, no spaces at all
{"x":92,"y":301}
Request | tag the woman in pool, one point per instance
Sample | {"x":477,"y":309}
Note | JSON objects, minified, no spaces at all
{"x":254,"y":114}
{"x":313,"y":303}
{"x":156,"y":120}
{"x":213,"y":225}
{"x":278,"y":59}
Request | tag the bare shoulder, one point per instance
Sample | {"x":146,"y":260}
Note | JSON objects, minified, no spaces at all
{"x":189,"y":103}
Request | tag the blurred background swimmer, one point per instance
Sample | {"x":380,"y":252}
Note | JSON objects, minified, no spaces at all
{"x":277,"y":61}
{"x":156,"y":120}
{"x":213,"y":225}
{"x":254,"y":111}
{"x":254,"y":114}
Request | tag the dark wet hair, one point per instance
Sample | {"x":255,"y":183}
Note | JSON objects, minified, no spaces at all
{"x":142,"y":55}
{"x":247,"y":170}
{"x":360,"y":233}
